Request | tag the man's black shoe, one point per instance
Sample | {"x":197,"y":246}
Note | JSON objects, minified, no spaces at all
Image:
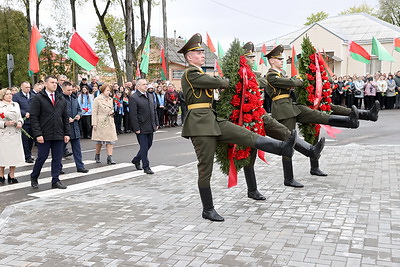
{"x":58,"y":185}
{"x":293,"y":183}
{"x":67,"y":154}
{"x":137,"y":165}
{"x":34,"y":183}
{"x":148,"y":171}
{"x":62,"y":172}
{"x":255,"y":195}
{"x":30,"y":160}
{"x":83,"y":170}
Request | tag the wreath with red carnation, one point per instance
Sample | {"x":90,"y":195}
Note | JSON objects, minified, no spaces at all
{"x":309,"y":64}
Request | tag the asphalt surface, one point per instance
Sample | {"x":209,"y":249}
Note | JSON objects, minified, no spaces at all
{"x":117,"y":216}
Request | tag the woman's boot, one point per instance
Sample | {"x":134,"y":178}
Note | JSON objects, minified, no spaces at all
{"x":110,"y":160}
{"x":97,"y":158}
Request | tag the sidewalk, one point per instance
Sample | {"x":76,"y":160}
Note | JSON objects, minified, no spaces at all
{"x":350,"y":218}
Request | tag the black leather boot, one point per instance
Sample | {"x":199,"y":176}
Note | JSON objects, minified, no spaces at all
{"x":110,"y":160}
{"x":250,"y":176}
{"x":288,"y":173}
{"x":370,"y":115}
{"x":315,"y":170}
{"x":308,"y":150}
{"x":282,"y":148}
{"x":209,"y":212}
{"x":97,"y":158}
{"x":350,"y":121}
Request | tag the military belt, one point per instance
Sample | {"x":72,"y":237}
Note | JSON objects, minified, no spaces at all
{"x":199,"y":105}
{"x":280,"y":97}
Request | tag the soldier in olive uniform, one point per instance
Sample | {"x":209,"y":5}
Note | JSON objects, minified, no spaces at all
{"x":204,"y":128}
{"x":288,"y":112}
{"x":278,"y":131}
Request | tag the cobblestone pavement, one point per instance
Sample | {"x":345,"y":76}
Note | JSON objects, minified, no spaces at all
{"x":350,"y":218}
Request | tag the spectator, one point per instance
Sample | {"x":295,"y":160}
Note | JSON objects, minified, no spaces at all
{"x":369,"y":93}
{"x":340,"y":100}
{"x":103,"y":123}
{"x":24,"y":99}
{"x":125,"y":103}
{"x":93,"y":83}
{"x":37,"y":88}
{"x":50,"y":128}
{"x":95,"y":91}
{"x":172,"y":102}
{"x":61,"y":79}
{"x":144,"y":123}
{"x":359,"y":91}
{"x":85,"y":102}
{"x":390,"y":92}
{"x":10,"y":124}
{"x":397,"y":80}
{"x":160,"y":105}
{"x":83,"y":83}
{"x":74,"y":113}
{"x":381,"y":90}
{"x":183,"y":105}
{"x":118,"y":111}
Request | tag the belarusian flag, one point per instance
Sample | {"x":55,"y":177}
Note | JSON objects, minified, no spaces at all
{"x":36,"y":46}
{"x":263,"y":59}
{"x":380,"y":51}
{"x":217,"y":68}
{"x":357,"y":52}
{"x":397,"y":44}
{"x":221,"y":52}
{"x":163,"y":66}
{"x":210,"y":44}
{"x":293,"y":63}
{"x":144,"y":64}
{"x":80,"y":52}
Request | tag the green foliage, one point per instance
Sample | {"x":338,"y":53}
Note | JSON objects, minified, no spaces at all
{"x":315,"y":17}
{"x":307,"y":130}
{"x":116,"y":26}
{"x":54,"y":59}
{"x":230,"y":68}
{"x":14,"y":40}
{"x":363,"y":8}
{"x":389,"y":11}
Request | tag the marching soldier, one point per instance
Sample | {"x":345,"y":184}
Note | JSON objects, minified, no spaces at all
{"x":205,"y":129}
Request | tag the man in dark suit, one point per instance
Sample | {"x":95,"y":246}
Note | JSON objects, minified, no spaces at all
{"x":144,"y":123}
{"x":50,"y":128}
{"x":205,"y":129}
{"x":24,"y":98}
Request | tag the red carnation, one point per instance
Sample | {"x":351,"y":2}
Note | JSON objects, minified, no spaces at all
{"x":310,"y":88}
{"x":247,"y":118}
{"x":235,"y":101}
{"x":310,"y":77}
{"x":2,"y":115}
{"x":312,"y":67}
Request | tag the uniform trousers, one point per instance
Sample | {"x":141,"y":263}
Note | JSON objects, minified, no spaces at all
{"x":205,"y":147}
{"x":145,"y":142}
{"x":57,"y":149}
{"x":306,"y":115}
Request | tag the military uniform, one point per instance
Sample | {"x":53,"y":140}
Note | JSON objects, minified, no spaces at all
{"x":205,"y":129}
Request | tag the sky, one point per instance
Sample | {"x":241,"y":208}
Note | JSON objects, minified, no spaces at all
{"x":252,"y":20}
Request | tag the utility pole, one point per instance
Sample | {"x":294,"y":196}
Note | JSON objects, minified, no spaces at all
{"x":164,"y":10}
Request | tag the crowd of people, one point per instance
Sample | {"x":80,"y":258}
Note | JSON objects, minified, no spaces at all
{"x":95,"y":110}
{"x":362,"y":91}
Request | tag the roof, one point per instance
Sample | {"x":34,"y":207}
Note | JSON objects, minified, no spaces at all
{"x":175,"y":44}
{"x":358,"y":27}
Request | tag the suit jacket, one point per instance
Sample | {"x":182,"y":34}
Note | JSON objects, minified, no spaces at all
{"x":142,"y":112}
{"x":47,"y":120}
{"x":278,"y":84}
{"x":73,"y":110}
{"x":198,"y":87}
{"x":24,"y":104}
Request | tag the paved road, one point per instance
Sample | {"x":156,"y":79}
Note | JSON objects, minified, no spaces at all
{"x":115,"y":216}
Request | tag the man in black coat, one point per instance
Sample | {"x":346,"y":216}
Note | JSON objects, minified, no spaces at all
{"x":24,"y":99}
{"x":144,"y":123}
{"x":50,"y":128}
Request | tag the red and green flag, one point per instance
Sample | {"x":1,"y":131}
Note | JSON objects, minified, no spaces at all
{"x":397,"y":44}
{"x":36,"y":46}
{"x":210,"y":44}
{"x":221,"y":52}
{"x":379,"y":51}
{"x":357,"y":52}
{"x":163,"y":65}
{"x":263,"y":59}
{"x":144,"y":64}
{"x":80,"y":52}
{"x":293,"y":63}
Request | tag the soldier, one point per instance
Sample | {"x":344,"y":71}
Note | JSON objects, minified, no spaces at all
{"x":205,"y":129}
{"x":287,"y":112}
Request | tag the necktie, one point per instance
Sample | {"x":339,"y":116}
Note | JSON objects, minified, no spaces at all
{"x":52,"y":99}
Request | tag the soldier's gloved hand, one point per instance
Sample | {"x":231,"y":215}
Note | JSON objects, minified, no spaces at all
{"x":298,"y":76}
{"x":224,"y":84}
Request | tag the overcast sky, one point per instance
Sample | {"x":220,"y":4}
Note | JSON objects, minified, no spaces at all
{"x":251,"y":20}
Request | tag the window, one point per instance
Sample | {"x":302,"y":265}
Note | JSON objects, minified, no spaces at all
{"x":177,"y":74}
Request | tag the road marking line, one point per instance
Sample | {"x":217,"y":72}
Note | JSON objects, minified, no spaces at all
{"x":11,"y":187}
{"x":88,"y":184}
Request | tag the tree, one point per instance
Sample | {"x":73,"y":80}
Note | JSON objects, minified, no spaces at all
{"x":315,"y":17}
{"x":389,"y":11}
{"x":363,"y":8}
{"x":127,"y":10}
{"x":14,"y":41}
{"x":110,"y":39}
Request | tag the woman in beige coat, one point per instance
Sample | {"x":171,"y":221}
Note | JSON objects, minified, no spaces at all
{"x":11,"y":152}
{"x":103,"y":123}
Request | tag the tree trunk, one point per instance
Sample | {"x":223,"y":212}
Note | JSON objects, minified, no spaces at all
{"x":148,"y":16}
{"x":142,"y":22}
{"x":110,"y":40}
{"x":38,"y":2}
{"x":134,"y":56}
{"x":128,"y":40}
